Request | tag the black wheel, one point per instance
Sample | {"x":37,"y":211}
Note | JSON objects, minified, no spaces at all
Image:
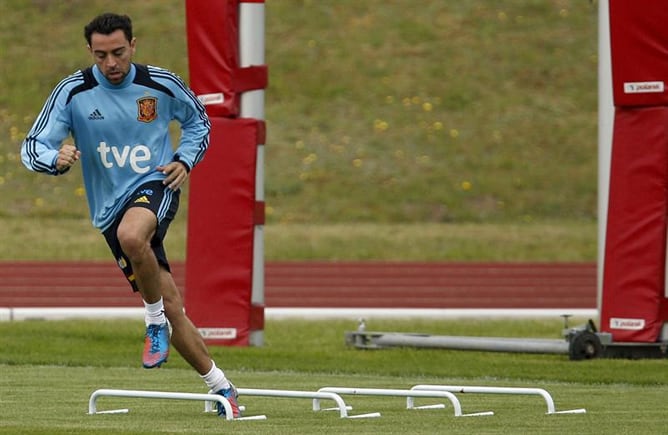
{"x":584,"y":345}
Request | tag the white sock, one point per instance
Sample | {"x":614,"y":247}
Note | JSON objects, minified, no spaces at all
{"x":155,"y":313}
{"x":215,"y":379}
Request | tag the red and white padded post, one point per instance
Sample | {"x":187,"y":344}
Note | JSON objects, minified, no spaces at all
{"x":224,"y":294}
{"x":635,"y":249}
{"x":632,"y":298}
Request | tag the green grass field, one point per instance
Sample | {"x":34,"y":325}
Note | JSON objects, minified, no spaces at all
{"x":49,"y":370}
{"x":457,"y":130}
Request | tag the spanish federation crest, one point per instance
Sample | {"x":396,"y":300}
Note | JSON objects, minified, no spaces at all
{"x":147,"y":109}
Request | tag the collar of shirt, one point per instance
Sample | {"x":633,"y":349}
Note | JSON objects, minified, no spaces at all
{"x":102,"y":80}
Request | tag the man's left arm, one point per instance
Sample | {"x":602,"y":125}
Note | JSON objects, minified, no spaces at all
{"x":195,"y":129}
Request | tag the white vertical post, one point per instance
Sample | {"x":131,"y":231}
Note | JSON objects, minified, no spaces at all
{"x":251,"y":52}
{"x":606,"y":112}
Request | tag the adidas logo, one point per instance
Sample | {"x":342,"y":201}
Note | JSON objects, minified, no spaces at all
{"x":142,"y":199}
{"x":95,"y":116}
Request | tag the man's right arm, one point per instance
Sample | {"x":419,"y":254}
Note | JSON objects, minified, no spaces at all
{"x":41,"y":148}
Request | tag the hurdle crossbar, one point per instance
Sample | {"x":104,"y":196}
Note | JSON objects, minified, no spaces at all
{"x":410,"y":395}
{"x":501,"y":390}
{"x":92,"y":402}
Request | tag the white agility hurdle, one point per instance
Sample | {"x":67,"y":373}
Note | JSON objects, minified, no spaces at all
{"x":501,"y":390}
{"x":409,"y":394}
{"x":316,"y":396}
{"x":208,"y":398}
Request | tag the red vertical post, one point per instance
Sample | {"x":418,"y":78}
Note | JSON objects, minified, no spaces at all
{"x":633,"y":295}
{"x":222,"y":210}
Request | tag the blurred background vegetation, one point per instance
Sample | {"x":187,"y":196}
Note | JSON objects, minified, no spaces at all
{"x":395,"y":129}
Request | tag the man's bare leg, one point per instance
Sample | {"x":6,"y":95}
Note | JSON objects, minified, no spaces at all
{"x":135,"y":233}
{"x":154,"y":282}
{"x":185,"y":337}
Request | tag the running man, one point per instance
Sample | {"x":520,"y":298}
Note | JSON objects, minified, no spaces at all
{"x":118,"y":113}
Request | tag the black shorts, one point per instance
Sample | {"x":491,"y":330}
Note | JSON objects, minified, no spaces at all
{"x":164,"y":203}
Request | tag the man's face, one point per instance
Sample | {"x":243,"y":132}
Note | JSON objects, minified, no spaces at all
{"x":112,"y":54}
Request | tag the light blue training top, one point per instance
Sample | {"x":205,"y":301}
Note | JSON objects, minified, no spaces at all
{"x":121,"y":130}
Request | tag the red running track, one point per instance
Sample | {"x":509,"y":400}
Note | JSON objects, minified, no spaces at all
{"x":300,"y":284}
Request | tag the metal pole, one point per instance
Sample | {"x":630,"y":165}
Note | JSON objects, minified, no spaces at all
{"x":605,"y":122}
{"x":493,"y":344}
{"x":251,"y":52}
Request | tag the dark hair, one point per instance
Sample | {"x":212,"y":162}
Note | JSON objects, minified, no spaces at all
{"x":108,"y":23}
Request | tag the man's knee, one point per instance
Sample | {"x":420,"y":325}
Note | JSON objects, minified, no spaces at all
{"x":132,"y":244}
{"x":135,"y":231}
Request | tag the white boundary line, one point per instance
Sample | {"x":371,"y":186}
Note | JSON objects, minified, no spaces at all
{"x":18,"y":314}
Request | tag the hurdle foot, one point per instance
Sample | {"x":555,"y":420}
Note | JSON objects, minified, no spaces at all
{"x":436,"y":406}
{"x":478,"y":414}
{"x":369,"y":415}
{"x":251,"y":417}
{"x":347,"y":407}
{"x":111,"y":411}
{"x":569,"y":411}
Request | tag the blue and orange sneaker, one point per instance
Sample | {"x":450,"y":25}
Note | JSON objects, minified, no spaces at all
{"x":231,"y":395}
{"x":156,"y":345}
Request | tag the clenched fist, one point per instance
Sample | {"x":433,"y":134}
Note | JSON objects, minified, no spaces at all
{"x":67,"y":156}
